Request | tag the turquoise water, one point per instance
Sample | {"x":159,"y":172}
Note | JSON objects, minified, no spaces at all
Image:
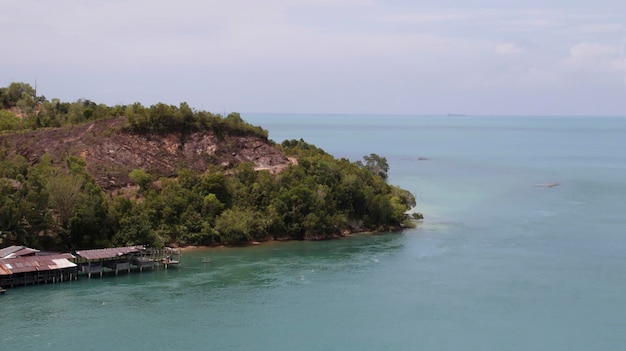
{"x":498,"y":264}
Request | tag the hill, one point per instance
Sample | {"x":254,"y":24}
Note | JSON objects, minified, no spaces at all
{"x":111,"y":152}
{"x":84,"y":175}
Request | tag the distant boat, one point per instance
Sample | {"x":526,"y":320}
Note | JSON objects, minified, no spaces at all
{"x":456,"y":115}
{"x":206,"y":259}
{"x":2,"y":291}
{"x":546,"y":185}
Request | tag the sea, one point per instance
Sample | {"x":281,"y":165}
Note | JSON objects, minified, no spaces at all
{"x":522,"y":247}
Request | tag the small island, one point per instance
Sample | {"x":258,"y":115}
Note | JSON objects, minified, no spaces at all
{"x":83,"y":175}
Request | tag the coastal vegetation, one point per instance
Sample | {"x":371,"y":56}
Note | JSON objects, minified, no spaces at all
{"x":60,"y":200}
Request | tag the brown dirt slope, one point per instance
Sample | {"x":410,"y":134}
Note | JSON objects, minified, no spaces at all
{"x":111,"y":154}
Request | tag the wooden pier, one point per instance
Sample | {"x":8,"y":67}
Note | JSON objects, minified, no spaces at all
{"x":24,"y":266}
{"x":142,"y":262}
{"x":169,"y":257}
{"x":116,"y":259}
{"x":122,"y":259}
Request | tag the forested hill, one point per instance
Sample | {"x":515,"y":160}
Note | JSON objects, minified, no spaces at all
{"x":82,"y":175}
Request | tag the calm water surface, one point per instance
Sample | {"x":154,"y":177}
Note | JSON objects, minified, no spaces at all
{"x":498,"y":264}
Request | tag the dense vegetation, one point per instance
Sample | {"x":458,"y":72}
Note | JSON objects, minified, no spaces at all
{"x":51,"y":205}
{"x":22,"y":109}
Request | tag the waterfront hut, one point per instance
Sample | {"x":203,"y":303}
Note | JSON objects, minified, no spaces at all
{"x":143,"y":261}
{"x":5,"y":273}
{"x":36,"y":269}
{"x":117,"y":259}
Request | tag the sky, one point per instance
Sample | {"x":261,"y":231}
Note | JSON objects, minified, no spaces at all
{"x":486,"y":57}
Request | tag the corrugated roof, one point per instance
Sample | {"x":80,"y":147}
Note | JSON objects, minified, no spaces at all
{"x":16,"y":251}
{"x":9,"y":250}
{"x":24,"y":252}
{"x":4,"y":271}
{"x":63,"y":263}
{"x":68,"y":256}
{"x":19,"y":265}
{"x":108,"y":253}
{"x":33,"y":263}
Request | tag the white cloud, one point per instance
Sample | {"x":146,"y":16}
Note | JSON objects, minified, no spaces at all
{"x":508,"y":49}
{"x":589,"y":56}
{"x":325,"y":48}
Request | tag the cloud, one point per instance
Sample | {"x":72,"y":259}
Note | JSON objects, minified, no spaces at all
{"x":428,"y":16}
{"x":508,"y":49}
{"x":238,"y":50}
{"x":588,"y":56}
{"x":601,"y":28}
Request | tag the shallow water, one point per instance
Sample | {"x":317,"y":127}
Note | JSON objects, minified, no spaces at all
{"x":498,"y":264}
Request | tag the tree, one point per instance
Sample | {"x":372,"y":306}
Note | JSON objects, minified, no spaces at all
{"x":211,"y":206}
{"x":235,"y":226}
{"x":135,"y":228}
{"x":376,"y":164}
{"x":63,"y":193}
{"x":10,"y":95}
{"x":26,"y":104}
{"x":141,"y":178}
{"x":8,"y":121}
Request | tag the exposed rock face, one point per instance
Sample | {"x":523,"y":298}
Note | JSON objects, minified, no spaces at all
{"x":111,"y":154}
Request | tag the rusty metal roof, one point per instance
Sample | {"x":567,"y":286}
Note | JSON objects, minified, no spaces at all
{"x":63,"y":263}
{"x":10,"y":266}
{"x":4,"y":271}
{"x":98,"y":254}
{"x":24,"y":252}
{"x":4,"y":252}
{"x":68,"y":256}
{"x":17,"y":251}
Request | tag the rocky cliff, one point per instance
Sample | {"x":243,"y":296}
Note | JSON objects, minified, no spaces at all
{"x":111,"y":153}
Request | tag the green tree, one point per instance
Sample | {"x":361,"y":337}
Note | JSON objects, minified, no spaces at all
{"x":9,"y":121}
{"x":137,"y":116}
{"x":235,"y":226}
{"x":26,"y":104}
{"x":211,"y":206}
{"x":376,"y":164}
{"x":63,"y":193}
{"x":136,"y":228}
{"x":10,"y":95}
{"x":141,"y":178}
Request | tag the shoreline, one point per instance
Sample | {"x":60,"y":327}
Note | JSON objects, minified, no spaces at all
{"x":193,"y":248}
